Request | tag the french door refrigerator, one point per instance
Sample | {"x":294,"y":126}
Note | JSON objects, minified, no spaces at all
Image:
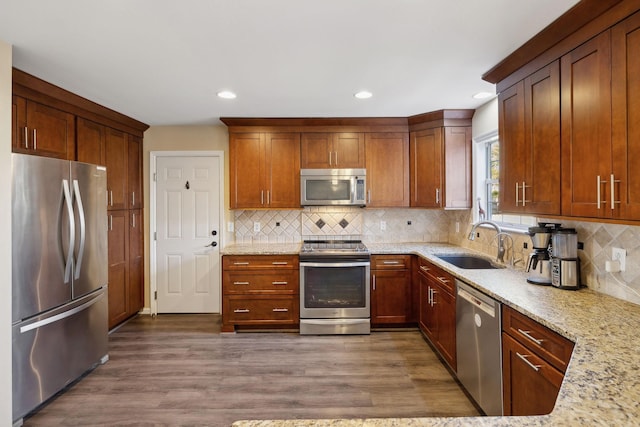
{"x":59,"y":276}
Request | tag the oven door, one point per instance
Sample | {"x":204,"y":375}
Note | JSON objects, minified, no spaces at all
{"x":334,"y":290}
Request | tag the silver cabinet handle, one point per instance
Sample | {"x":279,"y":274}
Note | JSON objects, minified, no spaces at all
{"x":134,"y":220}
{"x":613,"y":192}
{"x":517,"y":193}
{"x":336,"y":157}
{"x":443,"y":279}
{"x":111,"y":222}
{"x":424,"y":268}
{"x":524,"y":357}
{"x":391,"y":262}
{"x":369,"y":195}
{"x":279,"y":263}
{"x":524,"y":194}
{"x":133,"y":198}
{"x":280,"y":310}
{"x":279,"y":283}
{"x":437,"y":195}
{"x":374,"y":282}
{"x":268,"y":197}
{"x":599,"y":182}
{"x":241,"y":263}
{"x":241,"y":310}
{"x":430,"y":296}
{"x":110,"y":197}
{"x":262,"y":197}
{"x":240,"y":283}
{"x":26,"y":137}
{"x":35,"y":139}
{"x":433,"y":296}
{"x":528,"y":335}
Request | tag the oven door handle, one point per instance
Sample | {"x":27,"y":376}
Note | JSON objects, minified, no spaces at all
{"x":335,"y":264}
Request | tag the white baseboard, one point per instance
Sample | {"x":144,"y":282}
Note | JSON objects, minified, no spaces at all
{"x":145,"y":310}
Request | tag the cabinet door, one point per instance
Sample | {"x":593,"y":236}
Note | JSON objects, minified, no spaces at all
{"x":586,"y":128}
{"x":426,"y":168}
{"x":530,"y":384}
{"x":445,"y":305}
{"x":283,"y":170}
{"x":19,"y":131}
{"x":348,"y":150}
{"x":134,"y":176}
{"x":246,"y":164}
{"x":513,"y":153}
{"x":540,"y":191}
{"x":46,"y":131}
{"x":428,"y":321}
{"x":316,"y":150}
{"x":136,"y":251}
{"x":90,"y":144}
{"x":456,"y":191}
{"x":118,"y":266}
{"x":387,"y":159}
{"x":390,"y":296}
{"x":116,"y":156}
{"x":625,"y":83}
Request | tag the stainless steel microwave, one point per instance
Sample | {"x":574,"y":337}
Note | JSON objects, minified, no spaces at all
{"x":331,"y":187}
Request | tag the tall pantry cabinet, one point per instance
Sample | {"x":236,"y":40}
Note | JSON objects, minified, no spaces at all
{"x":78,"y":129}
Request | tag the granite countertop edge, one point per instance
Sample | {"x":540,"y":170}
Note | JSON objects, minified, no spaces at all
{"x":601,"y":385}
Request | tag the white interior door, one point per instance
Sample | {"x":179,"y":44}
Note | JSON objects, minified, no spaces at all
{"x":188,"y":231}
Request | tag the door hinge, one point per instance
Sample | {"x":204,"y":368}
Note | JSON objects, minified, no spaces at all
{"x":155,"y":295}
{"x":155,"y":235}
{"x":155,"y":177}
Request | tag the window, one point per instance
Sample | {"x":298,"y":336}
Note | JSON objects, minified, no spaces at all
{"x":488,"y":192}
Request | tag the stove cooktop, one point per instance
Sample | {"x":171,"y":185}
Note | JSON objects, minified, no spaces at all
{"x":334,"y":246}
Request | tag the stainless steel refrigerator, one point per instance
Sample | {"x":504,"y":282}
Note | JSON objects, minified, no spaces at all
{"x":59,"y":290}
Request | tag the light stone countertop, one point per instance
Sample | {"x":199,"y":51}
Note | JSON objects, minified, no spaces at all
{"x":602,"y":382}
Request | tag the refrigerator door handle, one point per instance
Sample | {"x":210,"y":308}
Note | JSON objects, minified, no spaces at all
{"x":72,"y":231}
{"x":60,"y":316}
{"x":83,"y":228}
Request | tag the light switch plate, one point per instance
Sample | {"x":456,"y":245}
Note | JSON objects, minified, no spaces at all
{"x":256,"y":227}
{"x":620,"y":255}
{"x":230,"y":227}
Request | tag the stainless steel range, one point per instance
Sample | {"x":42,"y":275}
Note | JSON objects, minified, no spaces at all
{"x":334,"y":287}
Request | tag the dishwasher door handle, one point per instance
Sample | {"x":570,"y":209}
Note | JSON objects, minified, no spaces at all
{"x":487,"y":308}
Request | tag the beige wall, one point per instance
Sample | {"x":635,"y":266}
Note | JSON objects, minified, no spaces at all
{"x":6,"y":416}
{"x":182,"y":138}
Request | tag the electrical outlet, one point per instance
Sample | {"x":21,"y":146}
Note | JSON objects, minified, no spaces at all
{"x":256,"y":227}
{"x":457,"y":226}
{"x":620,"y":255}
{"x":383,"y":225}
{"x":230,"y":227}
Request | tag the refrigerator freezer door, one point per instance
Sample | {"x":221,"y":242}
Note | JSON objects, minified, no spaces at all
{"x":89,"y":188}
{"x":53,"y":349}
{"x":40,"y":235}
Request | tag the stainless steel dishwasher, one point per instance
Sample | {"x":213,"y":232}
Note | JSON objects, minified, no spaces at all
{"x":479,"y":347}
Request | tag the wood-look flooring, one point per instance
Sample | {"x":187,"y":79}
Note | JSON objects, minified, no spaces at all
{"x":179,"y":370}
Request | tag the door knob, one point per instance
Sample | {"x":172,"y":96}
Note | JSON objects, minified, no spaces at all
{"x":212,"y":244}
{"x":214,"y":233}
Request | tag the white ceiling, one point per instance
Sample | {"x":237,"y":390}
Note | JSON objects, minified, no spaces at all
{"x":163,"y":61}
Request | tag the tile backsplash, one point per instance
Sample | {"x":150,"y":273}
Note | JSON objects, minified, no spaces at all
{"x":424,"y":225}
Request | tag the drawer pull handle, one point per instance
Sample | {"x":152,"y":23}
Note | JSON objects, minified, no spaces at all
{"x":240,"y":283}
{"x":528,"y":335}
{"x":279,"y":263}
{"x":279,"y":283}
{"x":443,"y":279}
{"x":424,"y":268}
{"x":241,"y":310}
{"x":525,"y":360}
{"x":391,"y":262}
{"x":280,"y":310}
{"x":240,"y":263}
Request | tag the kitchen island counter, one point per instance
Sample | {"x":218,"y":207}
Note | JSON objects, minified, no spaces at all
{"x":601,"y":385}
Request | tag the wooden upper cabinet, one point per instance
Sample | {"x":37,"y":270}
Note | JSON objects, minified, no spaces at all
{"x":42,"y":130}
{"x":529,"y":126}
{"x":90,"y":145}
{"x":118,"y":238}
{"x":134,"y":175}
{"x":343,"y":150}
{"x":625,"y":81}
{"x":264,"y":170}
{"x":440,"y":167}
{"x":586,"y":129}
{"x":116,"y":156}
{"x":387,"y":161}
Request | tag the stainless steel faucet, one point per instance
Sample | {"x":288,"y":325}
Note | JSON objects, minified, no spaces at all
{"x":501,"y":250}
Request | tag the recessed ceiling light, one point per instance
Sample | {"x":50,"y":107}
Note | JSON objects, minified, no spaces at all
{"x":482,"y":95}
{"x":226,"y":94}
{"x":363,"y":94}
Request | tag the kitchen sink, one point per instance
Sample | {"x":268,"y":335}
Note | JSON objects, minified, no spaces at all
{"x":471,"y":262}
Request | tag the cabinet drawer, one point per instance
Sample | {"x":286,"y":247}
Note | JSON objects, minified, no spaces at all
{"x":446,"y":280}
{"x":252,"y":310}
{"x":541,"y":340}
{"x":390,"y":262}
{"x":281,"y":281}
{"x":246,"y":262}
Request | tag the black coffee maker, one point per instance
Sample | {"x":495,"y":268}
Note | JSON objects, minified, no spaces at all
{"x":539,"y":261}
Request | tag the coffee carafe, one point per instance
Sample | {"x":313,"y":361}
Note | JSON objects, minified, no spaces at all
{"x":565,"y":264}
{"x":539,"y":261}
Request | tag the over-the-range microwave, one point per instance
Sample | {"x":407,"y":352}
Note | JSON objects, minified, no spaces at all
{"x":333,"y":187}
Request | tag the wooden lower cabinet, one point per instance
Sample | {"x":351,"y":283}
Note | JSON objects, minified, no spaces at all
{"x":438,"y":309}
{"x":391,"y":301}
{"x":534,"y":359}
{"x":260,"y":291}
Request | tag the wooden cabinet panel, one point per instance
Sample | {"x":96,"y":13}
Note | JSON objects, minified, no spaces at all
{"x":513,"y":153}
{"x":261,"y":310}
{"x":116,"y":156}
{"x":136,"y":260}
{"x":250,"y":262}
{"x":625,"y":83}
{"x":246,"y":164}
{"x":134,"y":175}
{"x":43,"y":130}
{"x":456,"y":191}
{"x":283,"y":170}
{"x":387,"y":160}
{"x":391,"y":289}
{"x":586,"y":128}
{"x":90,"y":143}
{"x":332,"y":150}
{"x":261,"y":281}
{"x":118,"y":243}
{"x":426,"y":168}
